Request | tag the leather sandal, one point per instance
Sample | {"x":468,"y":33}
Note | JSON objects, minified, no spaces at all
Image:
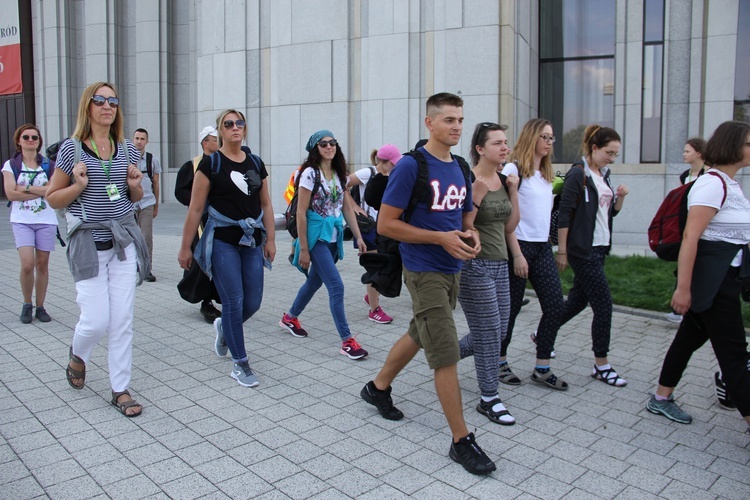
{"x":72,"y":374}
{"x":486,"y":409}
{"x":506,"y":376}
{"x":549,"y":380}
{"x":609,"y":377}
{"x":125,"y":405}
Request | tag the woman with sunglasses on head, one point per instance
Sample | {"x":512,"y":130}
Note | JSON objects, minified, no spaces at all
{"x":322,"y":205}
{"x":530,"y":251}
{"x":383,"y":160}
{"x":587,"y":205}
{"x":97,"y":181}
{"x":25,"y":178}
{"x":711,"y":268}
{"x":484,"y":291}
{"x":238,"y":238}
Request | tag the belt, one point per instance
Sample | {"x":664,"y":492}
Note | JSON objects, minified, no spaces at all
{"x":104,"y":245}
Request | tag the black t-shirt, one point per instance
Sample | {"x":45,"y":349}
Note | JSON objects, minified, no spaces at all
{"x":235,"y":193}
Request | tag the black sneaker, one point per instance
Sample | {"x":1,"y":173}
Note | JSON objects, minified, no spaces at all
{"x":725,"y":400}
{"x":150,"y":278}
{"x":26,"y":313}
{"x":41,"y":315}
{"x":209,"y":312}
{"x":468,"y":453}
{"x":381,"y":400}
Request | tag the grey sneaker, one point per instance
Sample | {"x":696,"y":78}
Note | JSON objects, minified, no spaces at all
{"x":244,"y":375}
{"x":26,"y":313}
{"x":669,"y":409}
{"x":220,"y":346}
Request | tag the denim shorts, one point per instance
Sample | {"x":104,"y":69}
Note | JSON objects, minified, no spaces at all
{"x":433,"y":297}
{"x":40,"y":236}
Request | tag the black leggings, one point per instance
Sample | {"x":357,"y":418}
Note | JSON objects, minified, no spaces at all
{"x":590,"y":287}
{"x":545,"y":279}
{"x":722,"y":325}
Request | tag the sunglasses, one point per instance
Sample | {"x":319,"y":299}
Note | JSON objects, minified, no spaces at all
{"x":548,"y":138}
{"x":232,"y":123}
{"x":99,"y":100}
{"x":30,"y":137}
{"x":325,"y":144}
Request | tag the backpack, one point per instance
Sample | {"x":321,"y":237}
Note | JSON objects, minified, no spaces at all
{"x":668,"y":225}
{"x":354,"y":191}
{"x":291,"y":210}
{"x":421,"y":189}
{"x":556,"y":185}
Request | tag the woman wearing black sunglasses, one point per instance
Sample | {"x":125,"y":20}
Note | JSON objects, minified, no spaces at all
{"x":97,"y":182}
{"x":25,"y":178}
{"x":237,"y":239}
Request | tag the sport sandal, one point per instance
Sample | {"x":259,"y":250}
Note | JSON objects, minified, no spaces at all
{"x":72,"y":374}
{"x":507,"y":377}
{"x":125,"y":405}
{"x":609,"y":377}
{"x":549,"y":380}
{"x":502,"y":417}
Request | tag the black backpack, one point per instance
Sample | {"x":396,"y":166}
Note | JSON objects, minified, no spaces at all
{"x":291,"y":210}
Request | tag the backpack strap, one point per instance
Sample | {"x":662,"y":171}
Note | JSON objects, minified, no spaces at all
{"x":585,"y":177}
{"x":77,"y":149}
{"x":723,"y":184}
{"x":149,"y":166}
{"x":215,"y":163}
{"x":419,"y":191}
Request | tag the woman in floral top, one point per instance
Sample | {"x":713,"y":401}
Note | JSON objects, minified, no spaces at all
{"x":322,"y":205}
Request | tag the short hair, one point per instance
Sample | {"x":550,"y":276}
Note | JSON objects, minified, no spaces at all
{"x":698,"y":144}
{"x":525,"y":148}
{"x":437,"y":101}
{"x":83,"y":121}
{"x":596,"y":135}
{"x":725,"y":147}
{"x":19,"y":132}
{"x":479,"y":138}
{"x":142,"y":131}
{"x":220,"y":123}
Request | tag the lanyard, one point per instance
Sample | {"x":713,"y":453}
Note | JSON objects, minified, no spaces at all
{"x":108,"y":165}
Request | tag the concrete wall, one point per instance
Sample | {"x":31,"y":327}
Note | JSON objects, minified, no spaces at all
{"x":363,"y":69}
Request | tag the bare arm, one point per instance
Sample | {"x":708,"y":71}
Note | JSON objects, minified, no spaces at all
{"x":155,"y":188}
{"x":697,"y":222}
{"x":14,"y":192}
{"x":268,"y":221}
{"x":60,"y":191}
{"x":351,"y":219}
{"x":198,"y":197}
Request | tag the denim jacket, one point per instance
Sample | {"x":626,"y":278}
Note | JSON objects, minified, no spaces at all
{"x":321,"y":228}
{"x":205,"y":246}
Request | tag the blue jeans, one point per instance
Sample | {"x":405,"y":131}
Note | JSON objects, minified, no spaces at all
{"x":323,"y":271}
{"x":238,"y":276}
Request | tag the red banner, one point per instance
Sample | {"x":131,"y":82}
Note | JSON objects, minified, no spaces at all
{"x":10,"y":69}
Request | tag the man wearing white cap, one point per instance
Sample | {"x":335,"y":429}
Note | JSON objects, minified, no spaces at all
{"x":195,"y":285}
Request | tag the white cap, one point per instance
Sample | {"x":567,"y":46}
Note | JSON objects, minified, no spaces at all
{"x":206,"y":132}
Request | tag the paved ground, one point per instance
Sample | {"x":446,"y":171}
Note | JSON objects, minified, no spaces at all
{"x":304,"y":433}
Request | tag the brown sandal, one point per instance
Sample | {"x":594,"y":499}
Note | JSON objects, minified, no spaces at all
{"x":125,"y":405}
{"x":72,"y":374}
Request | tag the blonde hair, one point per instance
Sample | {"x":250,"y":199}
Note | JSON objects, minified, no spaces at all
{"x":220,"y":123}
{"x":374,"y":158}
{"x":83,"y":122}
{"x":525,"y":148}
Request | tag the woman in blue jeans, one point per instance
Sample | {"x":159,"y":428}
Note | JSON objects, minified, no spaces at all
{"x":238,"y":238}
{"x":322,"y":205}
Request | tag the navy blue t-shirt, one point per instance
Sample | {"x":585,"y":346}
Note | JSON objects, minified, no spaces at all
{"x":443,"y":210}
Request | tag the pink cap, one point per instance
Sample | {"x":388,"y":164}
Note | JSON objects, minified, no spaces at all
{"x":389,"y":152}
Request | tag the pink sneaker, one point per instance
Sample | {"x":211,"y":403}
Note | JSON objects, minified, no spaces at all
{"x":367,"y":299}
{"x":352,"y":349}
{"x":379,"y":316}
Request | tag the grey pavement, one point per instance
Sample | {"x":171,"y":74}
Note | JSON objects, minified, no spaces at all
{"x":305,"y":433}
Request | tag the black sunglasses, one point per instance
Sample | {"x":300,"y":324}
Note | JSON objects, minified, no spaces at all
{"x":331,"y":143}
{"x":30,"y":137}
{"x":99,"y":100}
{"x":232,"y":123}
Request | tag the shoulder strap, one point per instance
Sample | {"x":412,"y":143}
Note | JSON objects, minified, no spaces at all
{"x":149,"y":168}
{"x":127,"y":153}
{"x":255,"y":159}
{"x":76,"y":150}
{"x":45,"y":166}
{"x":723,"y":184}
{"x":420,"y":185}
{"x":215,"y":163}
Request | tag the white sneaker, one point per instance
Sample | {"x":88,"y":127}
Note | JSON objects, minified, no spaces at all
{"x":220,"y":345}
{"x":674,"y":318}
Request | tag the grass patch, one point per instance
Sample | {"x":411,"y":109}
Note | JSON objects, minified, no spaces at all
{"x":641,"y":282}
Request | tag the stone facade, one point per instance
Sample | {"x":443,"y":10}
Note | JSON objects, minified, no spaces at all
{"x":363,"y":69}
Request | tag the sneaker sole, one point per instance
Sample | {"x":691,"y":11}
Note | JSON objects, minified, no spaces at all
{"x":282,"y":325}
{"x":670,"y":417}
{"x":236,"y":377}
{"x":379,"y":321}
{"x":352,"y":357}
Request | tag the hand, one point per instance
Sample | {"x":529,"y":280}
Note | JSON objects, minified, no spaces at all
{"x":521,"y":267}
{"x":270,"y":250}
{"x":512,"y":182}
{"x":79,"y":175}
{"x":156,"y":210}
{"x":562,"y":261}
{"x":361,"y":246}
{"x":304,"y":259}
{"x":185,"y":258}
{"x":453,"y":243}
{"x":622,"y":191}
{"x":681,"y":301}
{"x":134,"y":177}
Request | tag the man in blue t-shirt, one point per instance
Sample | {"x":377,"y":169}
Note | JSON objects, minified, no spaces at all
{"x":434,"y":244}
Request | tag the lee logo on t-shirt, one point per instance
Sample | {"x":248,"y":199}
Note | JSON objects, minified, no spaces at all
{"x":453,"y":199}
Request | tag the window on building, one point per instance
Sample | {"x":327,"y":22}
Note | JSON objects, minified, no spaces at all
{"x":742,"y":65}
{"x":576,"y":69}
{"x":653,"y":64}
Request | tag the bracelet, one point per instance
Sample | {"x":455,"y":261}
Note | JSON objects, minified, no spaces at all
{"x":475,"y":204}
{"x":518,"y":255}
{"x":471,"y":229}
